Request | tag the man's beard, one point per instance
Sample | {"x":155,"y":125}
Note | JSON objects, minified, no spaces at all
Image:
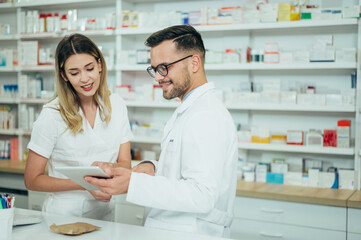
{"x":178,"y":90}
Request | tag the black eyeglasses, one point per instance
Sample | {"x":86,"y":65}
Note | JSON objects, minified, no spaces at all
{"x":162,"y":69}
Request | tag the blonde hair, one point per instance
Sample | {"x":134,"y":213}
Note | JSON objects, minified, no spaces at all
{"x":68,"y":97}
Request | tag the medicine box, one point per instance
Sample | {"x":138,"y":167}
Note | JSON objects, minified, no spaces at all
{"x":275,"y":178}
{"x":295,"y":137}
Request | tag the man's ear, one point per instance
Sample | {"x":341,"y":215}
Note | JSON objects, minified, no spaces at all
{"x":64,"y":77}
{"x":100,"y":65}
{"x":195,"y":63}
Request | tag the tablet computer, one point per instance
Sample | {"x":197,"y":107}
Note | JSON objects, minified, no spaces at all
{"x":78,"y":173}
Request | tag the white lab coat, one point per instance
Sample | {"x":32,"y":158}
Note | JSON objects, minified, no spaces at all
{"x":50,"y":139}
{"x":195,"y":183}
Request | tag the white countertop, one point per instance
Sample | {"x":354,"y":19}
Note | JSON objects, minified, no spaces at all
{"x":109,"y":230}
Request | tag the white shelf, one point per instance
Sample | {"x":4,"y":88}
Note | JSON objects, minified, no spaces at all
{"x":295,"y":107}
{"x":6,"y":5}
{"x":53,"y":2}
{"x":151,"y":104}
{"x":39,"y":68}
{"x":33,"y":100}
{"x":151,"y":140}
{"x":9,"y":100}
{"x":9,"y":37}
{"x":297,"y":149}
{"x":9,"y":69}
{"x":278,"y":25}
{"x":255,"y":66}
{"x":280,"y":66}
{"x":9,"y":132}
{"x":49,"y":35}
{"x":247,"y":27}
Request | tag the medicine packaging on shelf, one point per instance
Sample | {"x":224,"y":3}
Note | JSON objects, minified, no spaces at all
{"x":346,"y":179}
{"x":351,"y":11}
{"x":347,"y":55}
{"x":295,"y":137}
{"x":278,"y":139}
{"x":268,"y":12}
{"x":143,"y":56}
{"x":292,"y":178}
{"x":8,"y":58}
{"x":288,"y":97}
{"x":5,"y":29}
{"x":284,"y":12}
{"x":314,"y":138}
{"x":330,"y":138}
{"x":270,"y":97}
{"x":348,"y":97}
{"x":275,"y":178}
{"x":313,"y":177}
{"x":286,"y":57}
{"x":244,"y":136}
{"x":261,"y":173}
{"x":327,"y":180}
{"x":29,"y":53}
{"x":333,"y":99}
{"x":279,"y":167}
{"x":301,"y":57}
{"x":295,"y":164}
{"x":343,"y":133}
{"x":7,"y":117}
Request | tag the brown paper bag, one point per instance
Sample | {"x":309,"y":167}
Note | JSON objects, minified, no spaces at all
{"x":74,"y":228}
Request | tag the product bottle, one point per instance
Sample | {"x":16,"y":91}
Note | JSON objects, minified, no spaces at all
{"x":49,"y":23}
{"x":64,"y":23}
{"x":56,"y":22}
{"x":39,"y":85}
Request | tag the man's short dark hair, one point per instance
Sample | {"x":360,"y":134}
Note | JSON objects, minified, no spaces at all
{"x":185,"y":37}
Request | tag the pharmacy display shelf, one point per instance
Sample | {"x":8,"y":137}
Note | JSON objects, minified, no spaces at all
{"x":151,"y":140}
{"x":9,"y":132}
{"x":51,"y":35}
{"x":45,"y":3}
{"x":297,"y":149}
{"x":34,"y":100}
{"x":292,"y":107}
{"x":24,"y":132}
{"x":38,"y":68}
{"x":282,"y":66}
{"x":7,"y":7}
{"x":8,"y":69}
{"x":255,"y":66}
{"x":9,"y":101}
{"x":151,"y":104}
{"x":247,"y":27}
{"x":9,"y":37}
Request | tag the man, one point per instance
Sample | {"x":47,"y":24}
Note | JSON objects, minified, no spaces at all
{"x":193,"y":189}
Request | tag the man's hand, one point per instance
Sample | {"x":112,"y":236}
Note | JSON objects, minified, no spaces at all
{"x":118,"y":184}
{"x":100,"y":196}
{"x":147,"y":168}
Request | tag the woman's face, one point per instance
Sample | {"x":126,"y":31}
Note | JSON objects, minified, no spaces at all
{"x":83,"y":72}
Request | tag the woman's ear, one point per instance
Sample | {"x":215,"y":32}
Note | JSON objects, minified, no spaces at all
{"x":100,"y":65}
{"x":63,"y":76}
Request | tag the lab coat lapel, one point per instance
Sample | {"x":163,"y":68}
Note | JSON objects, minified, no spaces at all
{"x":183,"y":107}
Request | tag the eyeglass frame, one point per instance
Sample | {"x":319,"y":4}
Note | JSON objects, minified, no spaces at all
{"x":155,"y":70}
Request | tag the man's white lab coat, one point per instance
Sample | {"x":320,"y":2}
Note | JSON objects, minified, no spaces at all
{"x":195,"y":183}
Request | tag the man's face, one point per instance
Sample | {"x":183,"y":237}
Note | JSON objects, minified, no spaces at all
{"x":178,"y":81}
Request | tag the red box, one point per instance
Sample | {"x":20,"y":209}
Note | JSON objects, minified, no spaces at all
{"x":330,"y":138}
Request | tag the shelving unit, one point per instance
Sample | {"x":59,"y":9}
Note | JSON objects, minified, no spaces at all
{"x":218,"y":37}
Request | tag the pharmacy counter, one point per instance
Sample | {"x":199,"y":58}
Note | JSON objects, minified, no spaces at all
{"x":355,"y":200}
{"x":109,"y":230}
{"x":322,"y":196}
{"x":10,"y":166}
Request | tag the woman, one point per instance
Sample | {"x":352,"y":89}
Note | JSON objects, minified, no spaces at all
{"x":82,"y":124}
